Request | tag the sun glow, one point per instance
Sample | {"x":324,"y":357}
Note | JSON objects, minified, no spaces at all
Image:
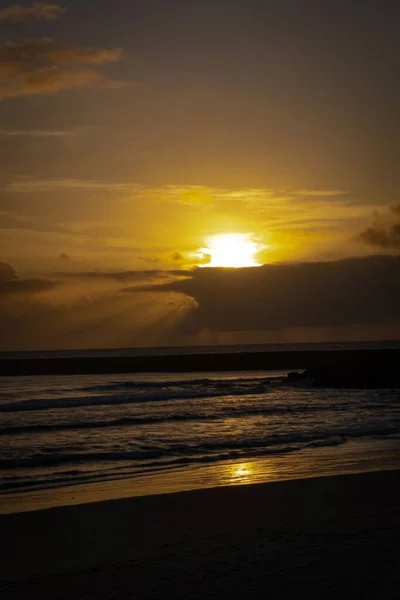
{"x":230,"y":250}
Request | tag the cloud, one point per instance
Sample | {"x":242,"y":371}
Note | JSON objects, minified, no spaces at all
{"x":203,"y":306}
{"x":44,"y":51}
{"x":396,"y":210}
{"x":383,"y":235}
{"x":11,"y":284}
{"x":321,"y":193}
{"x":138,"y":278}
{"x":197,"y":196}
{"x":7,"y":272}
{"x":49,"y":81}
{"x":54,"y":185}
{"x":26,"y":286}
{"x":149,"y":259}
{"x":42,"y":66}
{"x":315,"y":228}
{"x":201,"y":196}
{"x":10,"y":221}
{"x":276,"y":297}
{"x":36,"y":133}
{"x":41,"y":11}
{"x":88,"y":310}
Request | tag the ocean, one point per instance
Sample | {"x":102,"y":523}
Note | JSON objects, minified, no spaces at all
{"x":187,"y":430}
{"x":215,"y":349}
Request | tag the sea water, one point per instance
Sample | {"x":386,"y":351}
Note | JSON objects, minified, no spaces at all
{"x":197,"y":429}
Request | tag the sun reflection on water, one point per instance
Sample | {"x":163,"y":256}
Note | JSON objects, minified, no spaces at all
{"x":241,"y":473}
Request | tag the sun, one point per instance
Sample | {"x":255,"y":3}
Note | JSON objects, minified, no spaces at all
{"x":230,"y":250}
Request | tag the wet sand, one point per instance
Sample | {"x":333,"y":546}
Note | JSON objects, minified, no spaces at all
{"x":331,"y":537}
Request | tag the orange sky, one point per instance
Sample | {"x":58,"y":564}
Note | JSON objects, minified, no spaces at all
{"x":127,"y":144}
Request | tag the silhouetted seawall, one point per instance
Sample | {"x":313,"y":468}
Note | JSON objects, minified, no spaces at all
{"x":335,"y":360}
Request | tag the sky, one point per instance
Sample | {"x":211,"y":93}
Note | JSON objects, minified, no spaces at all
{"x":134,"y":132}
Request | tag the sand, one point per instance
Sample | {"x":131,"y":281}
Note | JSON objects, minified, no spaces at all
{"x":331,"y":537}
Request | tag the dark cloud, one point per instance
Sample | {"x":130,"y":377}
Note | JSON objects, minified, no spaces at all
{"x":11,"y":284}
{"x":382,"y":235}
{"x":26,"y":286}
{"x":126,"y":276}
{"x":40,"y":11}
{"x":7,"y":272}
{"x":396,"y":210}
{"x":42,"y":66}
{"x":206,"y":305}
{"x":275,"y":297}
{"x":120,"y":276}
{"x":73,"y":316}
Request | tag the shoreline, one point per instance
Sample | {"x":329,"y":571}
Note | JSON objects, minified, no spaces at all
{"x":328,"y":536}
{"x":308,"y":463}
{"x":187,"y":363}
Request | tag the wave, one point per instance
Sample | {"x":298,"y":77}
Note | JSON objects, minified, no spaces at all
{"x":124,"y":422}
{"x":226,"y":413}
{"x":231,"y":451}
{"x":10,"y":484}
{"x":205,"y":381}
{"x":189,"y":453}
{"x":156,"y":396}
{"x":124,"y":385}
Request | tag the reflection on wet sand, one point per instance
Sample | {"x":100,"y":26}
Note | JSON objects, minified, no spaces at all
{"x":244,"y":473}
{"x":309,"y":462}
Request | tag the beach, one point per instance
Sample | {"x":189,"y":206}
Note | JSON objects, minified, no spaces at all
{"x":327,"y":537}
{"x":199,"y":300}
{"x":123,"y":484}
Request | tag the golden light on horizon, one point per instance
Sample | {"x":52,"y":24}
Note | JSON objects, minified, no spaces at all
{"x":233,"y":250}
